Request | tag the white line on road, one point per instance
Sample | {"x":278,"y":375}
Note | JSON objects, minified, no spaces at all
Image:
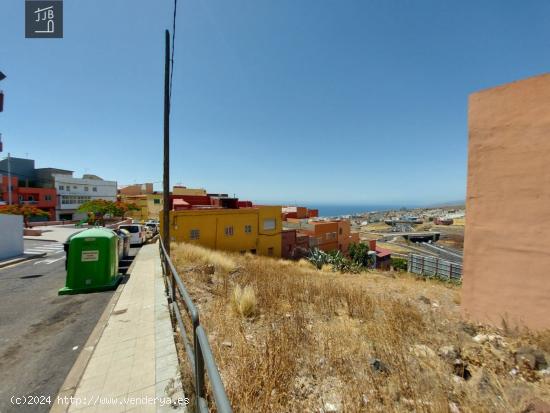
{"x":49,"y":261}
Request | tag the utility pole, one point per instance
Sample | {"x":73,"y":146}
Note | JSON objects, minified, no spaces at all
{"x":166,"y":173}
{"x":10,"y":189}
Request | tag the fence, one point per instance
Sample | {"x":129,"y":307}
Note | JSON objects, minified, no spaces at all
{"x":199,"y":353}
{"x":434,"y":267}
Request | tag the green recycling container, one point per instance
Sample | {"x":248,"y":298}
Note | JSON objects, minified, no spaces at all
{"x":92,"y":262}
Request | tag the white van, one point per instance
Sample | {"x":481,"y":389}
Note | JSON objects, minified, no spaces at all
{"x":137,"y":233}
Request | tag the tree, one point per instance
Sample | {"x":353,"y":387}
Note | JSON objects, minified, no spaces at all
{"x":26,"y":210}
{"x":98,"y":208}
{"x":359,"y":254}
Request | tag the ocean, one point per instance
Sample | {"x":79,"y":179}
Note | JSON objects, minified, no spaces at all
{"x":339,"y":210}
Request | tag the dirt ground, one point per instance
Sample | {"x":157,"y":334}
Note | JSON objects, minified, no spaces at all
{"x":290,"y":338}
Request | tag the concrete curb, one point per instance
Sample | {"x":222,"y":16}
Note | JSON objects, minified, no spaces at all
{"x":68,"y":388}
{"x":40,"y":239}
{"x":21,"y":259}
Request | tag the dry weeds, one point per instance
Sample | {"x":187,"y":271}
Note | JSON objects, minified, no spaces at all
{"x":322,"y":341}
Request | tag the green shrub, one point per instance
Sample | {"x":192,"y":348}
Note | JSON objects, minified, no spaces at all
{"x":399,"y":264}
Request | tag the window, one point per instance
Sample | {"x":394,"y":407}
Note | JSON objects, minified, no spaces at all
{"x":74,"y":186}
{"x":229,"y":231}
{"x":31,"y":198}
{"x":270,"y":251}
{"x":156,"y":201}
{"x":20,"y":198}
{"x":94,"y":188}
{"x":68,"y":188}
{"x":248,"y":229}
{"x":74,"y":199}
{"x":86,"y":188}
{"x":195,"y":234}
{"x":47,"y":197}
{"x":269,"y":223}
{"x":340,"y":231}
{"x":61,"y":187}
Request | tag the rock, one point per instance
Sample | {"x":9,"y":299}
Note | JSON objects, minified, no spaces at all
{"x":537,"y":406}
{"x":460,"y":368}
{"x":435,"y":305}
{"x":481,"y":338}
{"x":331,"y":408}
{"x":378,"y":365}
{"x":480,"y":381}
{"x":449,"y":353}
{"x":227,"y":344}
{"x":530,"y":357}
{"x":468,"y":328}
{"x":421,"y":350}
{"x":453,"y":407}
{"x":424,"y":299}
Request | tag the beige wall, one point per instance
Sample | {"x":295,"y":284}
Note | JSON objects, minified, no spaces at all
{"x":180,"y":190}
{"x":507,"y":236}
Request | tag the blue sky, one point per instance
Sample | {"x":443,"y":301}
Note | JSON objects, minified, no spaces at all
{"x":344,"y":102}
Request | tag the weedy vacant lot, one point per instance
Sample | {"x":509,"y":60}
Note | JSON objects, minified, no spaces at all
{"x":290,"y":338}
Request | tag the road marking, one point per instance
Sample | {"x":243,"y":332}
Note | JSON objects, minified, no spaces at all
{"x":49,"y":261}
{"x":54,"y":248}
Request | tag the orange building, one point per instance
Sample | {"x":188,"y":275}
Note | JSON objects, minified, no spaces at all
{"x":506,"y":257}
{"x":42,"y":198}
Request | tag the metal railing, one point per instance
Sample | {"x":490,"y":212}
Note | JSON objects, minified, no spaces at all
{"x":199,"y":352}
{"x":434,"y":267}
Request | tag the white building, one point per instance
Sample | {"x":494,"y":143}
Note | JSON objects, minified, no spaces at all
{"x":73,"y":192}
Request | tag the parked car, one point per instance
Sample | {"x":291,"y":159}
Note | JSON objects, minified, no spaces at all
{"x":148,"y":232}
{"x":153,"y":226}
{"x":124,"y":245}
{"x":137,"y":233}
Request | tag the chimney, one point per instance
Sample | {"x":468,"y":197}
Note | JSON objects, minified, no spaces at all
{"x":372,"y":245}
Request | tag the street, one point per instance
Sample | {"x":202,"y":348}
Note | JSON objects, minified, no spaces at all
{"x":41,"y":333}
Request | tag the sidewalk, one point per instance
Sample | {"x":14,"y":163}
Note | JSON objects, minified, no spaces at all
{"x":135,"y":356}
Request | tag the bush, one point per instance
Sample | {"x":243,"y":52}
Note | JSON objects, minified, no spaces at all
{"x":334,"y":259}
{"x":244,"y":300}
{"x":399,"y":264}
{"x":359,"y":254}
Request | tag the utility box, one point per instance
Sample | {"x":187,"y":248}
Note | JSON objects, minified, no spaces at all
{"x":92,"y":262}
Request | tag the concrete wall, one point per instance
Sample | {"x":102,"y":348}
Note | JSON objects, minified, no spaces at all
{"x":507,"y":236}
{"x":11,"y":236}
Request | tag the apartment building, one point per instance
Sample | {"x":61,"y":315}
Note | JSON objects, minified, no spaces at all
{"x":256,"y":230}
{"x":73,"y":192}
{"x":43,"y":198}
{"x":150,"y":206}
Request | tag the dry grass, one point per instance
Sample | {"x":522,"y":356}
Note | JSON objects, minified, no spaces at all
{"x":313,"y":337}
{"x":244,"y":301}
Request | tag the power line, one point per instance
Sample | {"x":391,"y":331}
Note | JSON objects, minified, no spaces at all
{"x":173,"y":48}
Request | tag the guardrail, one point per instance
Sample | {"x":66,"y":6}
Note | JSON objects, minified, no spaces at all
{"x":434,"y":267}
{"x":199,"y":353}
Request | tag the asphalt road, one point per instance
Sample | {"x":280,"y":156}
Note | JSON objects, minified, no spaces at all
{"x":41,"y":333}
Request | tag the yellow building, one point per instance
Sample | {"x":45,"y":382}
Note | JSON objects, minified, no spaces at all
{"x":257,"y":230}
{"x":150,"y":206}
